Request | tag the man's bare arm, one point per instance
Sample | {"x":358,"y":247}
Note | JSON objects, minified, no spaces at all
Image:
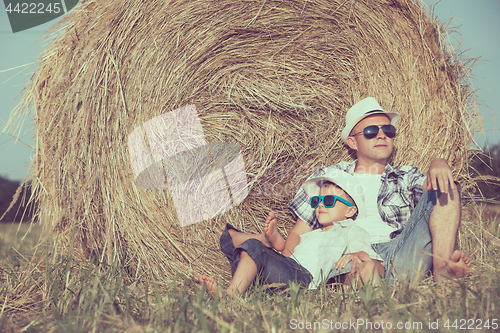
{"x":293,"y":238}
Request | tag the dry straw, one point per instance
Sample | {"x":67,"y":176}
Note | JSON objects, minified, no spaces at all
{"x":273,"y":77}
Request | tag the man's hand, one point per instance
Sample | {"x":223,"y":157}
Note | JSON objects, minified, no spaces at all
{"x":439,"y":173}
{"x":357,"y":259}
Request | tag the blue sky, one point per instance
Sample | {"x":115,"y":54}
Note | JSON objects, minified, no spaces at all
{"x":478,"y":25}
{"x":477,"y":22}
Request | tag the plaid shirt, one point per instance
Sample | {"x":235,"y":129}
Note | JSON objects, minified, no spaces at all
{"x":399,"y":194}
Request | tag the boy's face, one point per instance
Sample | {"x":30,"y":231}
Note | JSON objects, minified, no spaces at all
{"x":339,"y":212}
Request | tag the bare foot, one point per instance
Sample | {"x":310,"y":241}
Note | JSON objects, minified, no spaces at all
{"x":210,"y":283}
{"x":272,"y":234}
{"x":457,"y":267}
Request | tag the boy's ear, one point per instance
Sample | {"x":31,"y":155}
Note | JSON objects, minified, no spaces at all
{"x":351,"y":211}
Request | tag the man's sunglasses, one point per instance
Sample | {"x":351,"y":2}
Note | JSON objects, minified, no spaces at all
{"x":328,"y":201}
{"x":371,"y":131}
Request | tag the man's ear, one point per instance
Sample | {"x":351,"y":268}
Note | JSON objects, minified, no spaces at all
{"x":352,"y":143}
{"x":351,"y":211}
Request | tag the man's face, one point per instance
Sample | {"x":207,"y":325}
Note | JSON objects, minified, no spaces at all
{"x":377,"y":149}
{"x":339,"y":212}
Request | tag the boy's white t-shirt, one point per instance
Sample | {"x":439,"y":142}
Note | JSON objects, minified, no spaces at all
{"x":319,"y":250}
{"x":378,"y":230}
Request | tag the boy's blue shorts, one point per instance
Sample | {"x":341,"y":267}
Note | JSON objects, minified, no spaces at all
{"x":272,"y":267}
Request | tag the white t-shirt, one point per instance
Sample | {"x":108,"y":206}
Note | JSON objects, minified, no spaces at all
{"x":378,"y":230}
{"x":319,"y":250}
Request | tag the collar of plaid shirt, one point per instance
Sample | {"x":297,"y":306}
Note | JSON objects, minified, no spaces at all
{"x":389,"y":170}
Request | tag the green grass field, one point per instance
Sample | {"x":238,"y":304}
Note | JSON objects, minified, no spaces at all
{"x":42,"y":293}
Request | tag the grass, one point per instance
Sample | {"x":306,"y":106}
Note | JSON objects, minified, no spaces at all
{"x":42,"y":293}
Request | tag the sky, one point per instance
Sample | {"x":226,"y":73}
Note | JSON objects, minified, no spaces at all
{"x":476,"y":21}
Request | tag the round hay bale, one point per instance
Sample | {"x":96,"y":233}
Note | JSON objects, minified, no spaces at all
{"x":274,"y":78}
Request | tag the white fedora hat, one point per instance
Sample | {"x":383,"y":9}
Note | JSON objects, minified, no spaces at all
{"x":361,"y":110}
{"x":343,"y":180}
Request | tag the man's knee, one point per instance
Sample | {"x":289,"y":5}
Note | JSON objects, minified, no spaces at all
{"x":450,"y":199}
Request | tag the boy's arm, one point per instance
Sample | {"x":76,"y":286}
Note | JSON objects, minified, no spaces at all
{"x":293,"y":238}
{"x":356,"y":257}
{"x":358,"y":240}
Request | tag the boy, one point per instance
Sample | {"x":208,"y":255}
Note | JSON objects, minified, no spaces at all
{"x":314,"y":257}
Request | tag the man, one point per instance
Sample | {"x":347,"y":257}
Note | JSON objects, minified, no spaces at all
{"x":413,"y":219}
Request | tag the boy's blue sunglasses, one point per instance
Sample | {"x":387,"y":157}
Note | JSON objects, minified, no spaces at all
{"x":328,"y":201}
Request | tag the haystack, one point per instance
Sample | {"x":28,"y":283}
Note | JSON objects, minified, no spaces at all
{"x":273,"y":78}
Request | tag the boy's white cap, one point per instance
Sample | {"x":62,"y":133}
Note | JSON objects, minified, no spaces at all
{"x":343,"y":180}
{"x":361,"y":110}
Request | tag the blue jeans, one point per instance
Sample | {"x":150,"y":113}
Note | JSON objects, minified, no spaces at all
{"x":272,"y":267}
{"x":409,"y":255}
